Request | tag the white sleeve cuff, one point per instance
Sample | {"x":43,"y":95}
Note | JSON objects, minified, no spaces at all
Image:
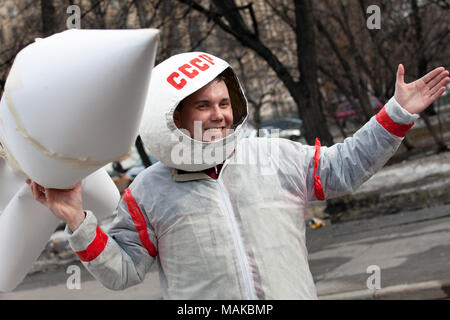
{"x":398,"y":114}
{"x":84,"y":234}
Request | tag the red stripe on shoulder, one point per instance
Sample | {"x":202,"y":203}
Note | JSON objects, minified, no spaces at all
{"x":139,"y":222}
{"x":95,"y":247}
{"x":318,"y":190}
{"x":392,"y":127}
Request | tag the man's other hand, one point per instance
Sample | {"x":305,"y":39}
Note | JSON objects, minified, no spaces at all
{"x":418,"y":95}
{"x":67,"y":205}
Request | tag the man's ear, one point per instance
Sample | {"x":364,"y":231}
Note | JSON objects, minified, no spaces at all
{"x":177,"y":118}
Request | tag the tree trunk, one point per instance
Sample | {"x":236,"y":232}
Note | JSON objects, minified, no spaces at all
{"x":99,"y":14}
{"x":307,"y":97}
{"x":421,"y":71}
{"x":355,"y":83}
{"x":141,"y":13}
{"x":257,"y":119}
{"x":141,"y":150}
{"x":48,"y":18}
{"x":364,"y":100}
{"x":422,"y":61}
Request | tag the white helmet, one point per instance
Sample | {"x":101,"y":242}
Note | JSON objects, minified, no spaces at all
{"x":173,"y":80}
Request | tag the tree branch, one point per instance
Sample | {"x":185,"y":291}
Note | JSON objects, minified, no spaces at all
{"x":245,"y":37}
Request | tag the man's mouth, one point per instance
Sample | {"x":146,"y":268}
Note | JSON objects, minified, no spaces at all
{"x":212,"y":134}
{"x":218,"y":129}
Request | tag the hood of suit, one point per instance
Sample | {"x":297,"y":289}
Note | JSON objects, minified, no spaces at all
{"x":172,"y":81}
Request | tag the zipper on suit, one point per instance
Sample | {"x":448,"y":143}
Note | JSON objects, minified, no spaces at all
{"x":237,"y":241}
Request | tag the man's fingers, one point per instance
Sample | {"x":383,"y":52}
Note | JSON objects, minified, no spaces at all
{"x":400,"y":74}
{"x":79,"y":184}
{"x":439,"y":86}
{"x":430,"y":75}
{"x":437,"y":94}
{"x":437,"y":79}
{"x":37,"y":192}
{"x":33,"y":190}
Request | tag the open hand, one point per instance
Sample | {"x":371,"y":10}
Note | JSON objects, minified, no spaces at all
{"x":67,"y":205}
{"x":418,"y":95}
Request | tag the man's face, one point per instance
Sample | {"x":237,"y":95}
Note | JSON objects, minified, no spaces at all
{"x":209,"y":108}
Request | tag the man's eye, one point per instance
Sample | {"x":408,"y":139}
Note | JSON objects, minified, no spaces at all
{"x":201,"y":106}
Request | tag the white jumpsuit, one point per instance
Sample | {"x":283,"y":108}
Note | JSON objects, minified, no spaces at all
{"x":242,"y":235}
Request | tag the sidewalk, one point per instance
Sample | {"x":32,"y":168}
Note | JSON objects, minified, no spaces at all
{"x":411,"y":249}
{"x":90,"y":289}
{"x":429,"y":290}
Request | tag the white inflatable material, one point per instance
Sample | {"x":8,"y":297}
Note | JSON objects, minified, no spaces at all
{"x":10,"y":183}
{"x":73,"y":102}
{"x":26,"y":225}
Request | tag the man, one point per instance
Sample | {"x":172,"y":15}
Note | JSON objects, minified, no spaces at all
{"x":218,"y":225}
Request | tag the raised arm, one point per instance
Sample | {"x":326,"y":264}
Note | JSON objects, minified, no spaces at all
{"x":343,"y":167}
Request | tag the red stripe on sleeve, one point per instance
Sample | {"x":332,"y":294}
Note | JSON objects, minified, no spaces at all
{"x":318,"y":190}
{"x":392,"y":127}
{"x":95,"y":247}
{"x":139,"y":222}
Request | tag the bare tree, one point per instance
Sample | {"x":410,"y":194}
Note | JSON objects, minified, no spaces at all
{"x":229,"y":17}
{"x":422,"y":68}
{"x":353,"y":64}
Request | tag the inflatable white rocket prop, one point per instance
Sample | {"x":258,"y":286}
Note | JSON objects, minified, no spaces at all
{"x":26,"y":225}
{"x":72,"y":103}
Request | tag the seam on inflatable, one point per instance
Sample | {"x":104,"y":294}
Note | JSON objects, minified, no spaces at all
{"x":80,"y":161}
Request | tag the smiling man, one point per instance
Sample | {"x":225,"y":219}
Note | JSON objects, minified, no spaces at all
{"x":207,"y":113}
{"x":223,"y":229}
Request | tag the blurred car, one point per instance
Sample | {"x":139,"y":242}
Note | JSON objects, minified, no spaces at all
{"x":345,"y":111}
{"x":288,"y":128}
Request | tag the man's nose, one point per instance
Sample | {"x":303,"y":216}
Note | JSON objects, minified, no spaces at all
{"x":216,"y":113}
